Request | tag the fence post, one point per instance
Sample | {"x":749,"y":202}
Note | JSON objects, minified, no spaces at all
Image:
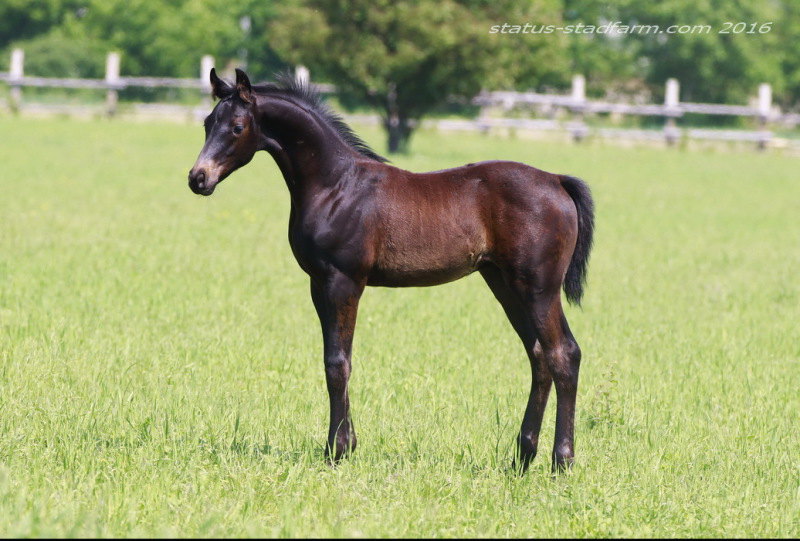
{"x":206,"y":64}
{"x":112,"y":80}
{"x":484,"y":114}
{"x":16,"y":72}
{"x":764,"y":111}
{"x":302,"y":75}
{"x":671,"y":110}
{"x":578,"y":127}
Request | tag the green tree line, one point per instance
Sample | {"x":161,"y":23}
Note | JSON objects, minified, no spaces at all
{"x":407,"y":58}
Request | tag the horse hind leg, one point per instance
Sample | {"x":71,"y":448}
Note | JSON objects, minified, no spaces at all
{"x":541,"y":381}
{"x":562,"y":356}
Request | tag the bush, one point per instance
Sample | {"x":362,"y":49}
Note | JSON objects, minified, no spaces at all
{"x":55,"y":55}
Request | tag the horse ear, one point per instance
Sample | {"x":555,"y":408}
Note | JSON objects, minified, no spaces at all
{"x":243,"y":86}
{"x":219,"y":88}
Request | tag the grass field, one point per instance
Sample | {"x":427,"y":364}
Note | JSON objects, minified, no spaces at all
{"x":161,"y":367}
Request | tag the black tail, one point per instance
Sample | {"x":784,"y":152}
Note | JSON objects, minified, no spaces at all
{"x":576,"y":273}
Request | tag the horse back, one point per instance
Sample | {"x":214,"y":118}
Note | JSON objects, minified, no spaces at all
{"x":440,"y":226}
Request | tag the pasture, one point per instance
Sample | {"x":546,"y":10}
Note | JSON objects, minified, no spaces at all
{"x":161,"y":365}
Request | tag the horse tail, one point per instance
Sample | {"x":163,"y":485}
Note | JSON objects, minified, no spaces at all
{"x":576,"y":272}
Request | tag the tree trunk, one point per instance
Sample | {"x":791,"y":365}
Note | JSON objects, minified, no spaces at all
{"x":399,"y":133}
{"x":397,"y":124}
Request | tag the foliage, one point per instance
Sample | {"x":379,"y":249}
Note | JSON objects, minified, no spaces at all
{"x":711,"y":66}
{"x":23,"y":19}
{"x":406,"y":58}
{"x":55,"y":54}
{"x":160,"y":40}
{"x":788,"y":54}
{"x":610,"y":64}
{"x":169,"y":38}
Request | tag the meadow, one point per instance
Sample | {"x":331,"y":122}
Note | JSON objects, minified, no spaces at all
{"x":161,"y":364}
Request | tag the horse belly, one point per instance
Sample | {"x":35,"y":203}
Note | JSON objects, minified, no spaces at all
{"x":424,"y":258}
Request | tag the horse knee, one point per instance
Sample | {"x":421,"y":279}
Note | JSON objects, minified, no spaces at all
{"x":573,"y":352}
{"x":337,"y":370}
{"x":564,"y":363}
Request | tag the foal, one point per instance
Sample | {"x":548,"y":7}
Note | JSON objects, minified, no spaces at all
{"x":357,"y":221}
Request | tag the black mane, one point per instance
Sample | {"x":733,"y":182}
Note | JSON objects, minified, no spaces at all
{"x":287,"y":85}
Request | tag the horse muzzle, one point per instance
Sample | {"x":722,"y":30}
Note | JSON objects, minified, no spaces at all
{"x":200,"y":183}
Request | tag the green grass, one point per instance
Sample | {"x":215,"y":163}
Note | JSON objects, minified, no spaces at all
{"x":161,"y":370}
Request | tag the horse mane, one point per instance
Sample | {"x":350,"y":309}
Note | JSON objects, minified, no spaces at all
{"x":287,"y":85}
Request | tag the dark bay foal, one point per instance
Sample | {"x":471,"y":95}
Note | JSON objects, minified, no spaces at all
{"x":357,"y":221}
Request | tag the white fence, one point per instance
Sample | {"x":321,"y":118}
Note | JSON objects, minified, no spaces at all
{"x":761,"y":109}
{"x":113,"y":82}
{"x":494,"y":105}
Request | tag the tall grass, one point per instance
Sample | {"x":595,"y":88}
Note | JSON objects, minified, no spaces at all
{"x":161,"y":369}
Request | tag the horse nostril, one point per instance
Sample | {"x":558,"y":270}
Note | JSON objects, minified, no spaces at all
{"x":198,"y":178}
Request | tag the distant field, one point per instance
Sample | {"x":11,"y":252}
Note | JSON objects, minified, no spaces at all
{"x":161,"y":367}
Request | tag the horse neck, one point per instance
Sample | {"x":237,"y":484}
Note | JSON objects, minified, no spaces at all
{"x":310,"y":153}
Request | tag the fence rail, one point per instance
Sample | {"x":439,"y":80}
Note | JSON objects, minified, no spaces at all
{"x":113,"y":82}
{"x":575,"y":103}
{"x":103,"y":84}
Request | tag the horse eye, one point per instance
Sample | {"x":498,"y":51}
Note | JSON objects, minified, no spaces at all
{"x":238,"y":129}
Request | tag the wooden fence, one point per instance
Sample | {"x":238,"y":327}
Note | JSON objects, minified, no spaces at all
{"x":493,"y":106}
{"x":113,"y":82}
{"x":576,"y":103}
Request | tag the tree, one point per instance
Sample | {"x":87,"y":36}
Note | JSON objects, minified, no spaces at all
{"x":23,"y":19}
{"x":609,"y":62}
{"x":711,"y":66}
{"x":787,"y":29}
{"x":57,"y":54}
{"x":155,"y":38}
{"x":169,"y":38}
{"x":407,"y":58}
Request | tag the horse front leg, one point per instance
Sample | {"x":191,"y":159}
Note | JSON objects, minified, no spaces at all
{"x":336,"y":299}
